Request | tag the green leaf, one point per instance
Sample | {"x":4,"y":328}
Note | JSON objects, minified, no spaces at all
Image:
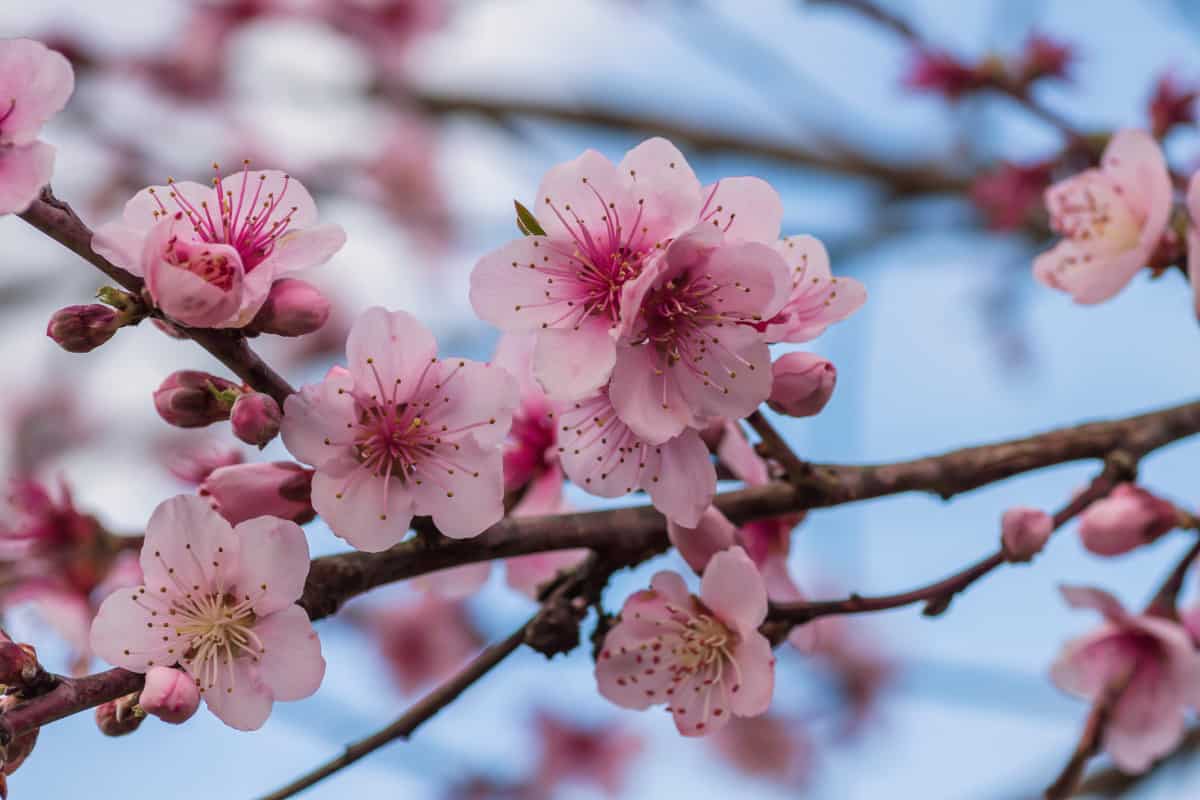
{"x":526,"y":222}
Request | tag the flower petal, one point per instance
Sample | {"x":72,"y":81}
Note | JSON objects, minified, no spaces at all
{"x":273,"y":564}
{"x":291,"y":665}
{"x":389,"y":352}
{"x":127,"y":631}
{"x":733,"y":588}
{"x":680,"y":478}
{"x":462,"y":489}
{"x":744,"y":208}
{"x":188,"y":545}
{"x":24,"y":170}
{"x":664,"y":186}
{"x":574,"y":363}
{"x":315,"y":419}
{"x":239,"y":697}
{"x":361,"y":507}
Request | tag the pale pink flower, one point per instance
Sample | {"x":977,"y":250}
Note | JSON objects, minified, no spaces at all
{"x":1193,"y":240}
{"x":423,"y":640}
{"x":454,"y":583}
{"x":768,"y":746}
{"x":817,"y":299}
{"x":1024,"y":532}
{"x":402,"y":432}
{"x":690,"y":347}
{"x":35,"y":83}
{"x":220,"y":602}
{"x":169,"y":694}
{"x":703,"y":656}
{"x":1149,"y":659}
{"x":1127,"y":519}
{"x":602,"y":456}
{"x":604,"y":224}
{"x":210,"y":254}
{"x":1111,"y":219}
{"x":600,"y":755}
{"x":239,"y":492}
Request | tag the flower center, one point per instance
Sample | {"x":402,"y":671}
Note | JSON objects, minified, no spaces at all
{"x":219,"y":630}
{"x":215,"y":268}
{"x":704,"y":643}
{"x":1091,"y":210}
{"x":249,"y":220}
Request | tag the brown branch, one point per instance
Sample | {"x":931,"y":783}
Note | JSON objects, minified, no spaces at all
{"x":902,"y":179}
{"x":1089,"y":744}
{"x":403,"y":727}
{"x":59,"y":221}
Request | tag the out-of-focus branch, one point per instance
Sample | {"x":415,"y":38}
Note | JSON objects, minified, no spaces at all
{"x":1111,"y":782}
{"x":418,"y":714}
{"x":901,"y":179}
{"x":59,"y":221}
{"x":1089,"y":744}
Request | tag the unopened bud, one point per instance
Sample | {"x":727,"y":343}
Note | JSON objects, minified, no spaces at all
{"x":193,"y":399}
{"x":1125,"y":520}
{"x":169,"y":694}
{"x":255,"y":418}
{"x":245,"y":491}
{"x":293,"y":308}
{"x":119,"y":717}
{"x":81,"y":329}
{"x":802,"y":384}
{"x":1024,"y":532}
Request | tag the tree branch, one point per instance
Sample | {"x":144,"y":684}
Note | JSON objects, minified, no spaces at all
{"x":59,"y":221}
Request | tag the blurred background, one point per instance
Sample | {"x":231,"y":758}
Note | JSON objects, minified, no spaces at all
{"x":416,"y":123}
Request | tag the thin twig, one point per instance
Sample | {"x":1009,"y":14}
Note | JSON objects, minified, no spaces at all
{"x":1089,"y":744}
{"x":778,"y":447}
{"x":422,"y":711}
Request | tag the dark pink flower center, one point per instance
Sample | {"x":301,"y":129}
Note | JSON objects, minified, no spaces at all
{"x":215,"y":268}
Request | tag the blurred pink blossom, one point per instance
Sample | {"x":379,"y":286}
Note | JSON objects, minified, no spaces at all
{"x":423,"y":639}
{"x":35,"y":84}
{"x":600,"y":755}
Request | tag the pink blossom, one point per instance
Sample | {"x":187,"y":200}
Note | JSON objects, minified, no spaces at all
{"x":220,"y":602}
{"x":530,"y":449}
{"x":1111,"y":219}
{"x":690,"y":350}
{"x":604,"y":457}
{"x":528,"y":573}
{"x":35,"y":83}
{"x":941,"y":73}
{"x":424,"y":640}
{"x":1127,"y":519}
{"x":1009,"y":194}
{"x":601,"y":755}
{"x":703,"y":656}
{"x":1152,"y":658}
{"x":1044,"y":57}
{"x":169,"y":694}
{"x":255,"y":418}
{"x":239,"y":492}
{"x":81,"y":329}
{"x":817,"y":299}
{"x":402,"y":432}
{"x":604,"y":225}
{"x":698,"y":544}
{"x":1024,"y":532}
{"x":210,"y":254}
{"x":801,"y":384}
{"x":1173,"y":103}
{"x":193,"y":460}
{"x":768,"y":746}
{"x":454,"y":583}
{"x":194,"y":399}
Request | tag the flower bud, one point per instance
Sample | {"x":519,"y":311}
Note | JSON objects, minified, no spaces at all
{"x":119,"y":717}
{"x":293,"y":308}
{"x":1024,"y":532}
{"x":245,"y":491}
{"x":169,"y":694}
{"x":803,"y":384}
{"x":193,"y":399}
{"x":81,"y":329}
{"x":712,"y":534}
{"x":1127,"y":519}
{"x":255,"y":418}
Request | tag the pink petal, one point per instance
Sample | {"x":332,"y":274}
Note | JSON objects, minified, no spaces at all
{"x":290,"y":193}
{"x":24,"y":170}
{"x":315,"y":418}
{"x":755,"y":279}
{"x":389,"y":346}
{"x":756,"y":665}
{"x":360,"y":507}
{"x":736,"y":452}
{"x":120,"y":244}
{"x":698,"y":708}
{"x":526,"y":285}
{"x":648,"y":398}
{"x":628,"y":650}
{"x":575,"y":196}
{"x":817,"y":299}
{"x":38,"y":81}
{"x":733,"y":588}
{"x":573,"y":363}
{"x":660,"y":177}
{"x":544,"y":495}
{"x":747,"y":377}
{"x":273,"y":564}
{"x":527,"y":573}
{"x":1193,"y":239}
{"x":1135,"y":160}
{"x":699,"y":544}
{"x":682,"y":480}
{"x":124,"y":631}
{"x":456,"y":582}
{"x":188,"y":545}
{"x":744,"y":208}
{"x":291,"y":664}
{"x":241,"y":700}
{"x":469,"y":501}
{"x":478,"y":397}
{"x":182,"y":294}
{"x":1097,"y":599}
{"x":1098,"y":280}
{"x":303,"y":249}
